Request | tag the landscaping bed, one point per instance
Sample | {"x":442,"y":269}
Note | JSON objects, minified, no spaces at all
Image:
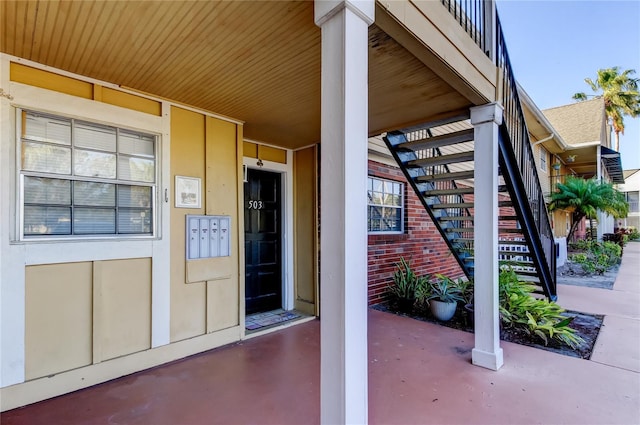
{"x":525,"y":318}
{"x":586,"y":326}
{"x":570,"y":274}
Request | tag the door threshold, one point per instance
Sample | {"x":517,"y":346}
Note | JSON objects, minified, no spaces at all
{"x":261,"y":323}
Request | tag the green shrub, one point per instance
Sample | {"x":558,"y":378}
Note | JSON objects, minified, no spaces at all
{"x":580,"y":245}
{"x":598,"y":256}
{"x":539,"y":317}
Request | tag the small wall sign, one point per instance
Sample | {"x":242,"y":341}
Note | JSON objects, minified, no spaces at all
{"x":188,"y":192}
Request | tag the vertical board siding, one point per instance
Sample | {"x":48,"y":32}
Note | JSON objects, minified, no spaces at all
{"x":125,"y":310}
{"x":305,"y":229}
{"x":58,"y":332}
{"x":221,"y":198}
{"x":188,"y":302}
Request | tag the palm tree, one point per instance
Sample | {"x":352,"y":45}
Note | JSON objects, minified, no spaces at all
{"x":620,"y":93}
{"x":584,"y":198}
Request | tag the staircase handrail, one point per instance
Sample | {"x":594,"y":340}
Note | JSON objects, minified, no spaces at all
{"x":517,"y":150}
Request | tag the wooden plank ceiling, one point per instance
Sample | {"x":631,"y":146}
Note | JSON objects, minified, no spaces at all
{"x":254,"y":61}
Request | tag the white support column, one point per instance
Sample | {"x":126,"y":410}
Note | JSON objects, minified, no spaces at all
{"x":343,"y":240}
{"x":487,"y":352}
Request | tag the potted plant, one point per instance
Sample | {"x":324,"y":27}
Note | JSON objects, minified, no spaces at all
{"x":405,"y":283}
{"x":444,"y":294}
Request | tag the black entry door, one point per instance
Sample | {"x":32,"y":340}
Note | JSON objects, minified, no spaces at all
{"x":262,"y":227}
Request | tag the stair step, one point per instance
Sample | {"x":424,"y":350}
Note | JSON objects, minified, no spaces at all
{"x":526,"y":273}
{"x":512,"y":242}
{"x":505,"y":203}
{"x":459,"y":175}
{"x":459,"y":229}
{"x":507,"y":217}
{"x":456,"y":218}
{"x":470,"y":229}
{"x":503,"y":188}
{"x":437,"y":123}
{"x":458,"y":205}
{"x":516,"y":263}
{"x":509,"y":230}
{"x":512,"y":262}
{"x":441,"y":160}
{"x":463,"y":240}
{"x":438,"y":141}
{"x":453,"y":191}
{"x":514,"y":253}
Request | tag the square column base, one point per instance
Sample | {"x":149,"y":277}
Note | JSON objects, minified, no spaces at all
{"x":486,"y":359}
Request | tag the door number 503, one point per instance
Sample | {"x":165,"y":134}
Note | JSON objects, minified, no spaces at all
{"x":256,"y":205}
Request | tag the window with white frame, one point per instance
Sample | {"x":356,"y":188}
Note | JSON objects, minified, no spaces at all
{"x":632,"y":200}
{"x":80,"y":179}
{"x":543,"y":158}
{"x":385,"y":206}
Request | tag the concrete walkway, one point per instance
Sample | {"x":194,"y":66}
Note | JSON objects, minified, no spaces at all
{"x":618,"y":342}
{"x":419,"y":373}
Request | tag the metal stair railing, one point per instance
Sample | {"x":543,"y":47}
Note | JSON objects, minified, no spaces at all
{"x":518,"y":166}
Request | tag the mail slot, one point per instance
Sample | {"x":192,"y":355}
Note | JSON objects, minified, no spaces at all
{"x":208,"y":236}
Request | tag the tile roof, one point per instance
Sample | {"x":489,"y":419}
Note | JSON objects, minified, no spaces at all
{"x":580,"y":122}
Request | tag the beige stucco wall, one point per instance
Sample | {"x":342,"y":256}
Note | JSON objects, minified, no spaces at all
{"x":561,"y":222}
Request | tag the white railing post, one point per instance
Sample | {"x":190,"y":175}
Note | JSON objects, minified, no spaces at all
{"x":490,"y":30}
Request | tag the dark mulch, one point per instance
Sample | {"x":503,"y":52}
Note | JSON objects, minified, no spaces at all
{"x":586,"y":325}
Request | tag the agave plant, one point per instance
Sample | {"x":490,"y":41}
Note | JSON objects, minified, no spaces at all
{"x":405,"y":281}
{"x":445,"y":289}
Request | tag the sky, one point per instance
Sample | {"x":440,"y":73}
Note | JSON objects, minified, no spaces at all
{"x":555,"y":45}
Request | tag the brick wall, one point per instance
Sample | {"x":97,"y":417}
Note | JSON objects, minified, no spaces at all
{"x":421,"y":242}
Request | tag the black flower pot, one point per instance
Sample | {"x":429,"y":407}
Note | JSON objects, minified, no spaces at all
{"x":405,"y":305}
{"x":468,"y":308}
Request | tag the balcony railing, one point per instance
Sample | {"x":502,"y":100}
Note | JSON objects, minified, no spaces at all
{"x":473,"y":18}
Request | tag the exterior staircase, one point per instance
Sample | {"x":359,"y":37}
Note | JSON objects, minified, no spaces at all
{"x":437,"y":160}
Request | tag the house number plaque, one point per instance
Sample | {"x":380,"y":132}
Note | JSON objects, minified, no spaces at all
{"x":256,"y":205}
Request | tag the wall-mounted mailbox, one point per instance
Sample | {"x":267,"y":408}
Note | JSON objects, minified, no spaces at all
{"x":208,"y":236}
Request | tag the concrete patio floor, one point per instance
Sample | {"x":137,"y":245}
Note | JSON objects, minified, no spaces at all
{"x":419,"y":373}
